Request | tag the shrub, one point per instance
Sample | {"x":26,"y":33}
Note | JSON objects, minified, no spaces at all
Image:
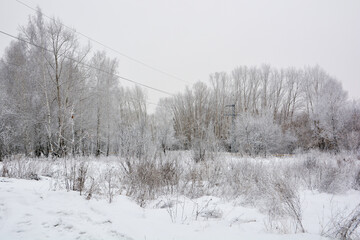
{"x":145,"y":180}
{"x":345,"y":227}
{"x":75,"y":174}
{"x":18,"y":167}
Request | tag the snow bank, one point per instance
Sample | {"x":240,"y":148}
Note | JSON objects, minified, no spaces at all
{"x":31,"y":210}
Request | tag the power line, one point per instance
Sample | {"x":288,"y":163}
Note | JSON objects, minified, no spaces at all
{"x":90,"y":66}
{"x":150,"y":103}
{"x":110,"y":48}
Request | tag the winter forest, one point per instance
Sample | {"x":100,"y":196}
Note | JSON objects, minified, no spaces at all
{"x":253,"y":152}
{"x":59,"y":100}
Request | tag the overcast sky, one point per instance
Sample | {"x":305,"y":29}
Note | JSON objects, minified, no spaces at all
{"x":193,"y":38}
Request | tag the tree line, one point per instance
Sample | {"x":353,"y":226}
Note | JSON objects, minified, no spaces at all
{"x":276,"y":111}
{"x":57,"y":98}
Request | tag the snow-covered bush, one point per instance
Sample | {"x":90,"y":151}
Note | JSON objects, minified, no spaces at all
{"x":284,"y":202}
{"x":146,"y":179}
{"x":327,"y":172}
{"x":75,"y":174}
{"x":20,"y":167}
{"x":246,"y":179}
{"x":344,"y":226}
{"x":203,"y":178}
{"x":260,"y":135}
{"x":110,"y":182}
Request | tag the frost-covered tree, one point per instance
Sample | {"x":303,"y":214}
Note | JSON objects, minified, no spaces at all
{"x":56,"y":100}
{"x":329,"y":115}
{"x":22,"y":105}
{"x":259,"y":135}
{"x":103,"y":85}
{"x":164,"y":127}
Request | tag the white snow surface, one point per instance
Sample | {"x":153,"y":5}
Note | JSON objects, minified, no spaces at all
{"x":30,"y":209}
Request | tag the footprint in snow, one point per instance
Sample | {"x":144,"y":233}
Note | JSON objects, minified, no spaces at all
{"x":26,"y":222}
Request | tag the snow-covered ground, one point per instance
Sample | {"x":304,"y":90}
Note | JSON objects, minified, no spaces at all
{"x":30,"y":209}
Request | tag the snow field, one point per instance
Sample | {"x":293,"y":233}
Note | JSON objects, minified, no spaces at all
{"x":230,"y":198}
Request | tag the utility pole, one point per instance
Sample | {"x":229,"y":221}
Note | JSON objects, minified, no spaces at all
{"x":233,"y":126}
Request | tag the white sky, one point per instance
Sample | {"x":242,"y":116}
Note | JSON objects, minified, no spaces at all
{"x":193,"y":38}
